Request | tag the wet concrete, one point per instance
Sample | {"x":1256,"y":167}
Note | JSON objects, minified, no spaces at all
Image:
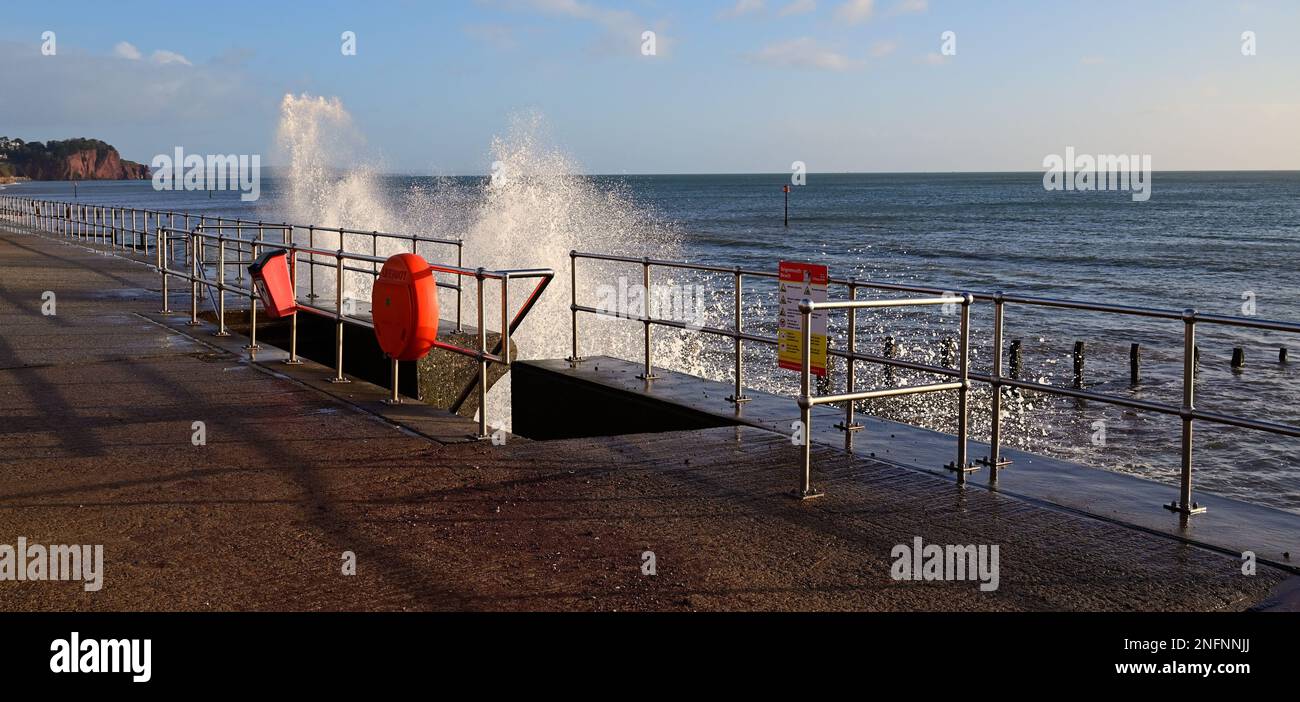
{"x":97,"y":406}
{"x":1230,"y":525}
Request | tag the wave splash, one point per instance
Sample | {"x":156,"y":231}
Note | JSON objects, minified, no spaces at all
{"x":530,"y":213}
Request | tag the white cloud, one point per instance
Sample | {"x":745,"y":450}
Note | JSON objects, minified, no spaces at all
{"x":798,"y":7}
{"x":855,"y":11}
{"x":803,"y":53}
{"x":883,"y":48}
{"x":622,"y":27}
{"x":742,"y":8}
{"x":163,"y":57}
{"x":613,"y":20}
{"x":126,"y":50}
{"x":935,"y":59}
{"x":167,"y":106}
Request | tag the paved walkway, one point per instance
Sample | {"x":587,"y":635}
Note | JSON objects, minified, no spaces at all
{"x":97,"y":412}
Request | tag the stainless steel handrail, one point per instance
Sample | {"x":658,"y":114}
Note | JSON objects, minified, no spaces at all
{"x":103,"y":223}
{"x":1186,"y":410}
{"x":807,"y":400}
{"x":99,"y":224}
{"x":500,"y":355}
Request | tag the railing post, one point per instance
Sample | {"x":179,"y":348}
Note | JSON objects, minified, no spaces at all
{"x":394,"y":398}
{"x":994,"y":460}
{"x":221,"y":287}
{"x":159,"y":246}
{"x":850,"y":425}
{"x":338,"y":316}
{"x":194,"y":279}
{"x":962,"y":466}
{"x":482,"y":362}
{"x":253,"y":347}
{"x":738,"y":395}
{"x":311,"y":265}
{"x":460,"y":263}
{"x":805,"y":490}
{"x":293,"y":359}
{"x":505,"y":320}
{"x":573,"y":305}
{"x":1185,"y":506}
{"x":645,"y":320}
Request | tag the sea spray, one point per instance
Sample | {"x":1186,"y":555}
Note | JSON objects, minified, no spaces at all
{"x":531,"y":212}
{"x":534,"y":209}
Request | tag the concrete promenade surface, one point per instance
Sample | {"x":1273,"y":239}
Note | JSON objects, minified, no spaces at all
{"x":97,"y":405}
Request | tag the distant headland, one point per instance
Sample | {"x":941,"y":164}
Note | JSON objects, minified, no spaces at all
{"x":71,"y":159}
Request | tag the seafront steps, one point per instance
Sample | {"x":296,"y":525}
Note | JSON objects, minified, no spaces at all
{"x":100,"y":401}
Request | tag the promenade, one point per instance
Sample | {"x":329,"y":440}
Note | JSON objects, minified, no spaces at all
{"x":98,"y":405}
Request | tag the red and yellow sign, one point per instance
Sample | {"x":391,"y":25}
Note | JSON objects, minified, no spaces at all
{"x":798,"y":281}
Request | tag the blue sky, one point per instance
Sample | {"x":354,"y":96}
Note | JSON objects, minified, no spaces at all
{"x":749,"y":86}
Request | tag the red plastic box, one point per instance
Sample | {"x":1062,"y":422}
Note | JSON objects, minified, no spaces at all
{"x":270,"y":274}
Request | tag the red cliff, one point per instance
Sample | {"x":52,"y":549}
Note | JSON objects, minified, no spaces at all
{"x":86,"y":165}
{"x":74,"y":159}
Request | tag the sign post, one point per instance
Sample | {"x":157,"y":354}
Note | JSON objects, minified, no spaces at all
{"x":798,"y":281}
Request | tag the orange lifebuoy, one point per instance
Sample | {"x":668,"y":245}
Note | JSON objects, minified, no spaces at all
{"x":404,"y":306}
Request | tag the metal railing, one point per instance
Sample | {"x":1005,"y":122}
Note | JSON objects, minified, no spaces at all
{"x":109,"y":224}
{"x":95,"y":225}
{"x":807,"y":400}
{"x":1186,"y":411}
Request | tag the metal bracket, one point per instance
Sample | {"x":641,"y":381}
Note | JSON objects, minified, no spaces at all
{"x":738,"y":400}
{"x":968,"y":468}
{"x":989,"y":464}
{"x":850,"y":428}
{"x":1175,"y":507}
{"x":810,"y":494}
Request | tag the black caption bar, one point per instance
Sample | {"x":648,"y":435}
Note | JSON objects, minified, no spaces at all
{"x":186,"y":651}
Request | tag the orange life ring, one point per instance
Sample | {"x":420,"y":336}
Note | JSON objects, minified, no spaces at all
{"x":404,"y":307}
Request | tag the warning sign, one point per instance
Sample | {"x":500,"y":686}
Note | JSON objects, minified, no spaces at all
{"x":799,"y":281}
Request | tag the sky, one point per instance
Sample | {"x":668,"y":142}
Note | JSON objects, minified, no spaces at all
{"x":732,"y":86}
